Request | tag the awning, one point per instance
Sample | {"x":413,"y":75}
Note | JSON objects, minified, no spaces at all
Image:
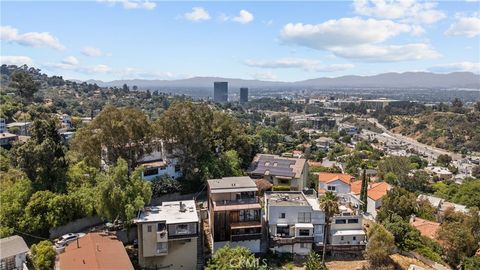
{"x":282,"y":225}
{"x":304,"y":225}
{"x":349,"y":232}
{"x":234,"y":207}
{"x":233,"y":190}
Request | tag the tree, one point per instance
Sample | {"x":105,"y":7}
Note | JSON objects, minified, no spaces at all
{"x":329,"y":204}
{"x":15,"y":191}
{"x":399,"y":166}
{"x":233,"y":258}
{"x":314,"y":262}
{"x":164,"y":185}
{"x":23,"y":82}
{"x":42,"y":157}
{"x":285,"y":125}
{"x":380,"y":246}
{"x":43,"y":255}
{"x":119,"y":132}
{"x":364,"y":190}
{"x":458,"y":241}
{"x":398,"y":201}
{"x":121,"y":196}
{"x":444,"y":160}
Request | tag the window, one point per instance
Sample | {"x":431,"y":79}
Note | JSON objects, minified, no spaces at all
{"x":162,"y":247}
{"x":353,"y":220}
{"x":341,"y":238}
{"x":150,"y":171}
{"x":249,"y":215}
{"x":282,"y":215}
{"x":161,"y":227}
{"x":354,"y":238}
{"x":340,"y":221}
{"x":303,"y":232}
{"x":149,"y":228}
{"x":304,"y":217}
{"x":182,"y":229}
{"x":331,"y":188}
{"x":284,"y":231}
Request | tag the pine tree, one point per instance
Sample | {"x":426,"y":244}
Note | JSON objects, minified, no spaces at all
{"x":364,"y":189}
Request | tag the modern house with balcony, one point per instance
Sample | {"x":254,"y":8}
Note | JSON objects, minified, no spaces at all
{"x":295,"y":221}
{"x":280,"y":171}
{"x":235,"y":214}
{"x":168,"y":235}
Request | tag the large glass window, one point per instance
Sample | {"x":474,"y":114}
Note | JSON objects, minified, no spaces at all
{"x":304,"y":232}
{"x":283,"y":230}
{"x":250,"y":215}
{"x":353,"y":220}
{"x":340,"y":221}
{"x":150,"y":171}
{"x":304,"y":217}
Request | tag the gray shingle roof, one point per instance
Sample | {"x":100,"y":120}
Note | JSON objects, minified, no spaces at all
{"x":11,"y":246}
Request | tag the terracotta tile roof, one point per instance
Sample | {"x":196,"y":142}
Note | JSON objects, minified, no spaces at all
{"x":375,"y":192}
{"x":95,"y":252}
{"x":426,"y":227}
{"x":263,"y":184}
{"x":328,"y":177}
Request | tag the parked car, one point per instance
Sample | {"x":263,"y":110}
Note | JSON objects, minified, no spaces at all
{"x":115,"y":226}
{"x":67,"y":238}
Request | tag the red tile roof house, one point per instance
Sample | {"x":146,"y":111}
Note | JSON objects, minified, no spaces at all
{"x":426,"y":227}
{"x":95,"y":251}
{"x":342,"y":183}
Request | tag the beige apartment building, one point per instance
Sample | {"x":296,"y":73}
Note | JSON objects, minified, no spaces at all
{"x":168,"y":236}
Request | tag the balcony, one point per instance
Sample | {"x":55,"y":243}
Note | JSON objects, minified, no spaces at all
{"x":237,"y":201}
{"x":286,"y":240}
{"x":245,"y":237}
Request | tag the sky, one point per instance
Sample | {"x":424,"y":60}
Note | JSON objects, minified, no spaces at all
{"x":270,"y":40}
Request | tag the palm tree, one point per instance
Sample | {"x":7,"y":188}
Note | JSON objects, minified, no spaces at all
{"x":329,"y":204}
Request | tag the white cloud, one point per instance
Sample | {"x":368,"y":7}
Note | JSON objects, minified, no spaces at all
{"x":197,"y":14}
{"x":342,"y":32}
{"x":465,"y":26}
{"x":31,"y":39}
{"x":420,"y":12}
{"x":358,"y":39}
{"x":91,"y":51}
{"x":456,"y":67}
{"x":387,"y":53}
{"x":70,"y":60}
{"x":131,"y":4}
{"x":243,"y":17}
{"x":305,"y":64}
{"x":264,"y":76}
{"x":16,"y":60}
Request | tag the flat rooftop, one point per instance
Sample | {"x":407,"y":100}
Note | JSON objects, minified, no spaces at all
{"x":292,"y":198}
{"x":170,"y":212}
{"x":230,"y":184}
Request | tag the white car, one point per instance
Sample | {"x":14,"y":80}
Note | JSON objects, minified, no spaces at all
{"x":67,"y":238}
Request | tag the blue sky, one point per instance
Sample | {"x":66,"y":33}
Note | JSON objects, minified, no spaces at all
{"x":273,"y":40}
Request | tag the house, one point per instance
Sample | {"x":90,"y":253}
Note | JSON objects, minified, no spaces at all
{"x":19,"y":128}
{"x":426,"y":227}
{"x":65,"y":121}
{"x":375,"y":193}
{"x":13,"y":253}
{"x":235,"y":214}
{"x":324,"y":143}
{"x":95,"y":251}
{"x":295,"y":222}
{"x":3,"y":125}
{"x":7,"y":139}
{"x":280,"y":171}
{"x":338,"y":183}
{"x":441,"y":205}
{"x":441,"y":172}
{"x":346,"y":234}
{"x":168,"y":236}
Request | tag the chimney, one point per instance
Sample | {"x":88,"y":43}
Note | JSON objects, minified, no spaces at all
{"x":182,"y":207}
{"x":98,"y":248}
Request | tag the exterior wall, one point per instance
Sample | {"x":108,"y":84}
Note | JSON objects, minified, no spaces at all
{"x":372,"y":206}
{"x":340,"y":186}
{"x":168,"y":170}
{"x":299,"y":249}
{"x":348,"y":226}
{"x":291,"y":214}
{"x":347,"y":239}
{"x":182,"y":254}
{"x":252,"y":245}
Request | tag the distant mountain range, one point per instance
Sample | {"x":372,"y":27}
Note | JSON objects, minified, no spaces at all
{"x":384,"y":80}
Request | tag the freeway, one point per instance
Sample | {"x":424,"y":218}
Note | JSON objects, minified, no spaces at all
{"x":430,"y":151}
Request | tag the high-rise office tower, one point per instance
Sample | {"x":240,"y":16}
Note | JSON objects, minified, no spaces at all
{"x":220,"y":92}
{"x":243,"y":95}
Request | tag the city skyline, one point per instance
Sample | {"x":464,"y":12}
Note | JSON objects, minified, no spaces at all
{"x":284,"y":41}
